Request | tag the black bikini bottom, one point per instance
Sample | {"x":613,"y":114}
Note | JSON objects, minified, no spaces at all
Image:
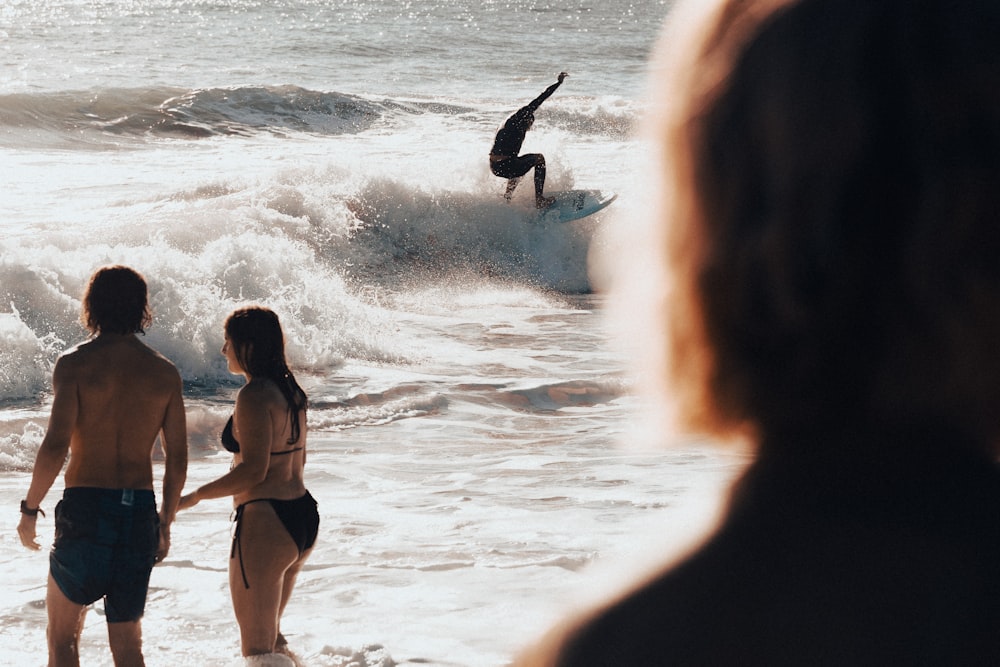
{"x":300,"y":517}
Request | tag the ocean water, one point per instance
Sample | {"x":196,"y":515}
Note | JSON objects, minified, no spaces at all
{"x":472,"y":414}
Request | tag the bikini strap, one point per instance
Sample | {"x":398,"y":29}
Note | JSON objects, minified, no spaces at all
{"x":237,"y":547}
{"x":287,"y":451}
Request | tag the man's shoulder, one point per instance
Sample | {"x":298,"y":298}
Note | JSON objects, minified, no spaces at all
{"x":100,"y":352}
{"x":75,"y":356}
{"x":155,"y":355}
{"x":157,"y":360}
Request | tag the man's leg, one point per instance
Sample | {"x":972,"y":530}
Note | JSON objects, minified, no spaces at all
{"x":125,"y":640}
{"x":65,"y":625}
{"x":133,"y":559}
{"x":511,"y":184}
{"x":540,"y":201}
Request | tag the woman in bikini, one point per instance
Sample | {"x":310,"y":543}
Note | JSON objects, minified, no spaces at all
{"x":276,"y":517}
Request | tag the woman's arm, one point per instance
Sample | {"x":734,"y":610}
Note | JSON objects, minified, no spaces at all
{"x":252,"y":423}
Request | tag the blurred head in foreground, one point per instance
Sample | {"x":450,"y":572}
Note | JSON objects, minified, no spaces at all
{"x":832,"y":201}
{"x":828,"y":286}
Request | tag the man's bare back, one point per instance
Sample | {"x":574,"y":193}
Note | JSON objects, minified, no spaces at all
{"x":125,"y":391}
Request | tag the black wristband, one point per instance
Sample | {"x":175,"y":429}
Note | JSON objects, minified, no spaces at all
{"x":30,"y":512}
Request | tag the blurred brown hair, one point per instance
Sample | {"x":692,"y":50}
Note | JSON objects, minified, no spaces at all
{"x":832,"y":204}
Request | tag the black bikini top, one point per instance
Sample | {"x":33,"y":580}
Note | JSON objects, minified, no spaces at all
{"x":231,"y":444}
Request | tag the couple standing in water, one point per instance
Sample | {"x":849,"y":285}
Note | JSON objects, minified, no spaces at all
{"x":112,"y":397}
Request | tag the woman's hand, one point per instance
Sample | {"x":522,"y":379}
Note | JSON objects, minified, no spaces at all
{"x":188,"y":500}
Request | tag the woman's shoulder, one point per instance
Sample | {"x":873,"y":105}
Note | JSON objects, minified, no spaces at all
{"x":261,"y":392}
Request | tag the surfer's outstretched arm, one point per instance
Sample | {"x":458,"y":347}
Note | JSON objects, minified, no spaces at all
{"x":546,"y":94}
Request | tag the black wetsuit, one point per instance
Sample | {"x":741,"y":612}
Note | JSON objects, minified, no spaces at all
{"x":504,"y":159}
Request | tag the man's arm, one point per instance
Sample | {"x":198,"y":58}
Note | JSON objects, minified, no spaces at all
{"x":173,"y":437}
{"x":546,"y":94}
{"x":52,"y":452}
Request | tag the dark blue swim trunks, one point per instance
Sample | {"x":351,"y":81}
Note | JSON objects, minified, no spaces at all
{"x":105,"y":546}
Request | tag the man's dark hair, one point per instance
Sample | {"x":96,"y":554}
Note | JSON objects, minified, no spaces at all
{"x":115,"y":302}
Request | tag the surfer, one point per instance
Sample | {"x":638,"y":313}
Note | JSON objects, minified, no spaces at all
{"x":112,"y":397}
{"x":276,"y":517}
{"x":504,"y":159}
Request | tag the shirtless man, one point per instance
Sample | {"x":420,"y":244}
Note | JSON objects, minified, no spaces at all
{"x":504,"y":159}
{"x":112,"y":397}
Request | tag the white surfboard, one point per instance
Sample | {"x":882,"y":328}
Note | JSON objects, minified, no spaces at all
{"x":574,"y":204}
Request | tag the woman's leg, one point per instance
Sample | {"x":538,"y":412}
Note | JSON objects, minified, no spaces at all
{"x":268,"y":553}
{"x":286,"y":592}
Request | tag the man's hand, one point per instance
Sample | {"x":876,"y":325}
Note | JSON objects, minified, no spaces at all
{"x":26,"y":531}
{"x":164,"y":544}
{"x":562,"y":75}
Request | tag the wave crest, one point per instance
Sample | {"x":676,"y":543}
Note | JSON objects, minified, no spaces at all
{"x":95,"y":116}
{"x":185,"y":113}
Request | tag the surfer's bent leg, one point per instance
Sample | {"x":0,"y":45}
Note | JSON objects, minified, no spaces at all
{"x":540,"y":201}
{"x":511,"y":184}
{"x":513,"y":169}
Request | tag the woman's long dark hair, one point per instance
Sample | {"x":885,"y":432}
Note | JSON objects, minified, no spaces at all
{"x":259,"y":345}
